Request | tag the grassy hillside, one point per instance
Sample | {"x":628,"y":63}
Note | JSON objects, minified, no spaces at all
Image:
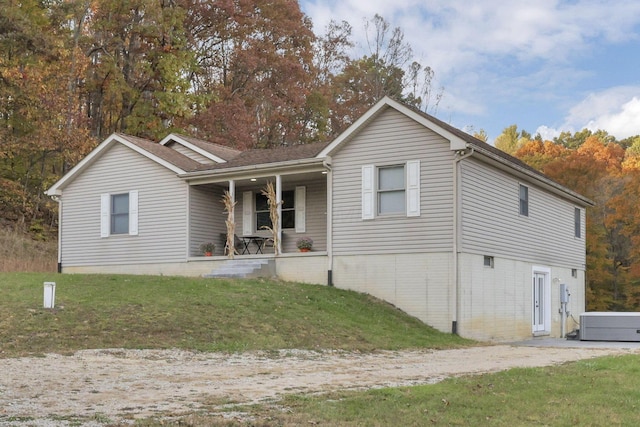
{"x":101,"y":311}
{"x":21,"y":251}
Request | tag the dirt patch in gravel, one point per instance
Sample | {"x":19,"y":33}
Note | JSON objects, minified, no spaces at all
{"x":119,"y":385}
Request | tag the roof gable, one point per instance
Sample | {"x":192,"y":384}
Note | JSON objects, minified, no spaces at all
{"x":455,"y":140}
{"x":458,"y":141}
{"x":164,"y":156}
{"x":214,"y":152}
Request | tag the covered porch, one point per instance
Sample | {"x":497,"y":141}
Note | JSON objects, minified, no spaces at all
{"x":301,"y":190}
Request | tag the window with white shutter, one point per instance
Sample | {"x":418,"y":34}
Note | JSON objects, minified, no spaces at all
{"x":391,"y":189}
{"x":300,"y":201}
{"x":247,"y":213}
{"x":413,"y":188}
{"x":119,"y":214}
{"x":368,"y":192}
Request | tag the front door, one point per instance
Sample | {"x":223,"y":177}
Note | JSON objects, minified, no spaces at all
{"x":538,"y":302}
{"x":541,"y":318}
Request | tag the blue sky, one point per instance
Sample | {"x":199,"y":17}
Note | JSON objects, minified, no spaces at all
{"x":544,"y":65}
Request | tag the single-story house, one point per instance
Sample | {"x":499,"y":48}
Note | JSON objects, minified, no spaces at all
{"x":401,"y":206}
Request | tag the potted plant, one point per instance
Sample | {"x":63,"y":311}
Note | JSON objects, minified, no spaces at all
{"x":207,"y":248}
{"x":304,"y":244}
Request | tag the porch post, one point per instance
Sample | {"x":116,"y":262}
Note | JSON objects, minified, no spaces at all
{"x":232,"y":190}
{"x":279,"y":200}
{"x":232,"y":214}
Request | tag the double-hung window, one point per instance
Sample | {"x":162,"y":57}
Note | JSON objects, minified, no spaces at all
{"x":391,"y":190}
{"x":256,"y":215}
{"x":119,"y":213}
{"x":524,"y":200}
{"x":263,"y":218}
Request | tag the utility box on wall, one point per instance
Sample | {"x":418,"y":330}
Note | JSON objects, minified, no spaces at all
{"x":610,"y":326}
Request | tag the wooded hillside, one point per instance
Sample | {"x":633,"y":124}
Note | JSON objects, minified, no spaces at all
{"x":237,"y":72}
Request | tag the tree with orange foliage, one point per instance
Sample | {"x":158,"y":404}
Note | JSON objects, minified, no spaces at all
{"x":539,"y":154}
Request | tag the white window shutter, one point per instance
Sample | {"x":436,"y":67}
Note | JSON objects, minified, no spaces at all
{"x":413,"y":188}
{"x":133,"y":212}
{"x":300,"y":208}
{"x":105,"y":215}
{"x":368,"y":193}
{"x":247,"y":213}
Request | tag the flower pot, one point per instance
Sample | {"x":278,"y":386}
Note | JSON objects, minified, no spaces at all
{"x":305,"y":249}
{"x":208,"y":254}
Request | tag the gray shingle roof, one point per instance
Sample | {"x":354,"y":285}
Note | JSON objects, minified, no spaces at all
{"x":165,"y":153}
{"x":261,"y":156}
{"x":225,"y":153}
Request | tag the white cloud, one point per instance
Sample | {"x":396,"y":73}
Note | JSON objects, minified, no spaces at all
{"x":623,"y":122}
{"x":450,"y":34}
{"x":615,"y":110}
{"x":494,"y":54}
{"x":548,"y":133}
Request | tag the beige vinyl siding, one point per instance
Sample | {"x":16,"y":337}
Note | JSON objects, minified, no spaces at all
{"x":161,"y":207}
{"x":492,"y":224}
{"x":316,"y":219}
{"x":316,"y":214}
{"x":189,"y":153}
{"x":393,"y":139}
{"x":206,"y":219}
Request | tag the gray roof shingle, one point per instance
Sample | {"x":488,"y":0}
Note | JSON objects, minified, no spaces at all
{"x":261,"y":156}
{"x":225,"y":153}
{"x":165,"y":153}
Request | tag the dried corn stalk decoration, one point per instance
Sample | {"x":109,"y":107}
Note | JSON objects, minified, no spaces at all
{"x":229,"y":207}
{"x":270,"y":193}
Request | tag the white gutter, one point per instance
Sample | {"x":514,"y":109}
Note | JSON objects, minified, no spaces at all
{"x":59,"y":200}
{"x":457,"y":223}
{"x":264,"y":169}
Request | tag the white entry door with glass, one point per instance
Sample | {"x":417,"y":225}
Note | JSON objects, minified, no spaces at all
{"x":541,"y":302}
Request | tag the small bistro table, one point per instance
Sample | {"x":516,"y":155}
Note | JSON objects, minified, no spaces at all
{"x":259,"y":241}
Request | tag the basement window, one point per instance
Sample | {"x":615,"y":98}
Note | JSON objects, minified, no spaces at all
{"x":488,"y":261}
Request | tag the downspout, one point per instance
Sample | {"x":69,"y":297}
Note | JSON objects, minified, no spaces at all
{"x":455,"y":301}
{"x":59,"y":200}
{"x":327,"y":165}
{"x":187,"y":242}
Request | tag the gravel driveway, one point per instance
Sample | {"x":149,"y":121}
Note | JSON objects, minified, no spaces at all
{"x":117,"y":384}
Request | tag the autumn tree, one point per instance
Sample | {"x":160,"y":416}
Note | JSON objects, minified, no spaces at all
{"x":255,"y":66}
{"x":138,"y":78}
{"x":510,"y":140}
{"x":386,"y":69}
{"x":42,"y":130}
{"x":539,"y":154}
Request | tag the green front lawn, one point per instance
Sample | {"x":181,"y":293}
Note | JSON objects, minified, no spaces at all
{"x":106,"y":311}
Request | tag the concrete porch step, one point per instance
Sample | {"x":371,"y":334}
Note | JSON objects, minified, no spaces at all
{"x":244,"y":268}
